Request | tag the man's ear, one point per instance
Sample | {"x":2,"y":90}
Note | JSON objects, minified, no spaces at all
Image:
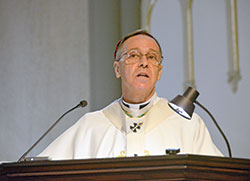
{"x":116,"y":66}
{"x":159,"y":73}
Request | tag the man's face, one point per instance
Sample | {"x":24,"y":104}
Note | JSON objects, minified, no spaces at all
{"x":140,"y":76}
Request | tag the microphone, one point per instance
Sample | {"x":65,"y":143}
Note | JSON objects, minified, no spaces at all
{"x":82,"y":104}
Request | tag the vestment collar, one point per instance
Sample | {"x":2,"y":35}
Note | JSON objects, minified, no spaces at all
{"x":138,"y":110}
{"x":158,"y":112}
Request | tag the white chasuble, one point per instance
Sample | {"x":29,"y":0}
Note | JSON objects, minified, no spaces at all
{"x":111,"y":133}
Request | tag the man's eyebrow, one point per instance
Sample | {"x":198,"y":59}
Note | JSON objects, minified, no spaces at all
{"x":133,"y":49}
{"x":124,"y":52}
{"x":150,"y":50}
{"x":153,"y":50}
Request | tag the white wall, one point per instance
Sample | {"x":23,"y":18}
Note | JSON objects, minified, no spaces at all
{"x":211,"y":66}
{"x":54,"y":53}
{"x":104,"y":17}
{"x":44,"y":69}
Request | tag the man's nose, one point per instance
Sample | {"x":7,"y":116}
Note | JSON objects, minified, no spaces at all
{"x":143,"y":61}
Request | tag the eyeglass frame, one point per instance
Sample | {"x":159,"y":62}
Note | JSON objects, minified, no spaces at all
{"x":141,"y":55}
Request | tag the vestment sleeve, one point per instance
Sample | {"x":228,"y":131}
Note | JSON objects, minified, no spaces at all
{"x":203,"y":143}
{"x":63,"y":146}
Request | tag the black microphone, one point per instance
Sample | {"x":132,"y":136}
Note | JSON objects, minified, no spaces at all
{"x":83,"y":103}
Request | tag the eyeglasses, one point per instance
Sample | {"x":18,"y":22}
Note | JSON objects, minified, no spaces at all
{"x":134,"y":56}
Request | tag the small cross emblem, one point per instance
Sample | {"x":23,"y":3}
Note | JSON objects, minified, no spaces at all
{"x":136,"y":126}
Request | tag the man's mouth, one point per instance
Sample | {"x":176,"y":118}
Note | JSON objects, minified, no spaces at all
{"x":143,"y":75}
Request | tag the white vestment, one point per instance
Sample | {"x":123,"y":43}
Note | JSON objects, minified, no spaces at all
{"x":111,"y":133}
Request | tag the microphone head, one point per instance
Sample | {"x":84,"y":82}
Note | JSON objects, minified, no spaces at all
{"x":83,"y":103}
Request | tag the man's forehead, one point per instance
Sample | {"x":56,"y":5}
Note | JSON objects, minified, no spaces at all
{"x":140,"y":41}
{"x":141,"y":33}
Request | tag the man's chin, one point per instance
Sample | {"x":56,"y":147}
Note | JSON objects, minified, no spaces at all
{"x":142,"y":87}
{"x":139,"y":86}
{"x":142,"y":79}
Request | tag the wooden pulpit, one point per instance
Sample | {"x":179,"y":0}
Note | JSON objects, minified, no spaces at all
{"x":171,"y":167}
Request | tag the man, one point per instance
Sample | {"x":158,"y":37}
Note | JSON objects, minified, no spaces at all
{"x":139,"y":123}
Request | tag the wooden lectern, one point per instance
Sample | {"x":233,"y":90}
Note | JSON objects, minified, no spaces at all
{"x":172,"y":167}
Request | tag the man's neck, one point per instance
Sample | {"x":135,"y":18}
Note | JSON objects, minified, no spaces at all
{"x":138,"y":97}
